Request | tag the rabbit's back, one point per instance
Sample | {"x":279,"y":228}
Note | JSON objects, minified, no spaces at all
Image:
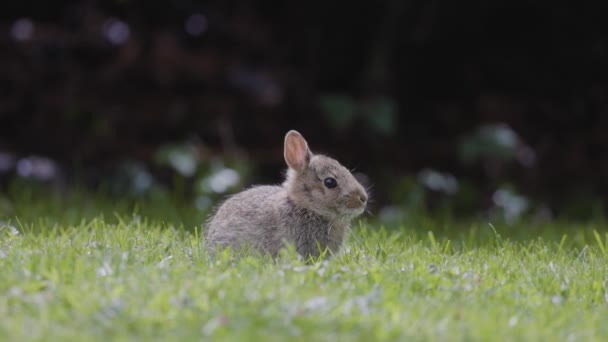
{"x":250,"y":217}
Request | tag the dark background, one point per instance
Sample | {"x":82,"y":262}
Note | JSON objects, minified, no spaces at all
{"x":462,"y":107}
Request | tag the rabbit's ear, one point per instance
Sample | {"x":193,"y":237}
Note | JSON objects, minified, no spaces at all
{"x":297,"y":154}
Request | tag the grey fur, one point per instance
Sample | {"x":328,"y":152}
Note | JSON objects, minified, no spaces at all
{"x":302,"y":211}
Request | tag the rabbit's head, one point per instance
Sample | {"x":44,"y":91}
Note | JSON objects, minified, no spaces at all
{"x":320,"y":183}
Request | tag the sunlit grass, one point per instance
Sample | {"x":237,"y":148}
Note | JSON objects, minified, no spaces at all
{"x":101,"y":270}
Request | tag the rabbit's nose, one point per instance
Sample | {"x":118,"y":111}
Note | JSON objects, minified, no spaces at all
{"x":363,"y":198}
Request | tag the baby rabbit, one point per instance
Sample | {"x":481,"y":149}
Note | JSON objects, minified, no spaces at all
{"x":312,"y":209}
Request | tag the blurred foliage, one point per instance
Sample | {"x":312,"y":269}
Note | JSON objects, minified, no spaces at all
{"x":342,"y":111}
{"x":497,"y":142}
{"x":193,"y":98}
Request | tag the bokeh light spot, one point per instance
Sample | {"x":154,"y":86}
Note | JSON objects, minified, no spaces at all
{"x":196,"y":24}
{"x":22,"y":29}
{"x":116,"y":31}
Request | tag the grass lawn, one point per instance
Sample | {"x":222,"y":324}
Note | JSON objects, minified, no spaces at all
{"x":85,"y":270}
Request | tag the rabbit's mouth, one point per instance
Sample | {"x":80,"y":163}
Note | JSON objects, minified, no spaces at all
{"x":353,"y":212}
{"x":354,"y":208}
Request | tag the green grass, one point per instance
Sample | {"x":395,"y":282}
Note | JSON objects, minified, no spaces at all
{"x":73,"y":270}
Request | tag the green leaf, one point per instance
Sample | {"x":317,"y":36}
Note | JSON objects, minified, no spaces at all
{"x":339,"y":110}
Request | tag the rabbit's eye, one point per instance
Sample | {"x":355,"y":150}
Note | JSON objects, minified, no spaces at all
{"x":330,"y":182}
